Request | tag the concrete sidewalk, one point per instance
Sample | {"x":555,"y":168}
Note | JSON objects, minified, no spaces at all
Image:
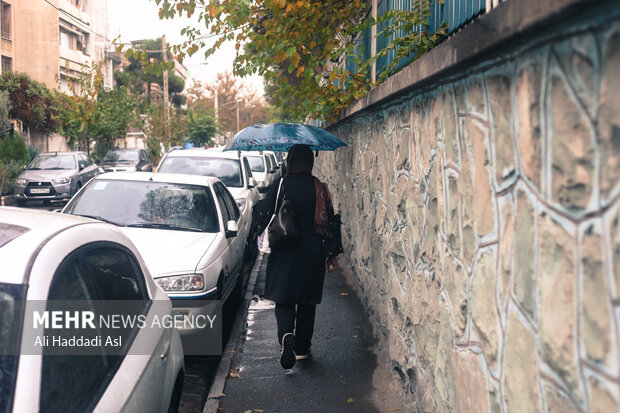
{"x":342,"y":376}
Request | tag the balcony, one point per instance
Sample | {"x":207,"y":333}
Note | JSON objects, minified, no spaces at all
{"x":73,"y":60}
{"x":66,"y":7}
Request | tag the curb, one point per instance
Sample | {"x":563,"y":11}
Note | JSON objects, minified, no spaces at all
{"x":223,"y":368}
{"x":7,"y":200}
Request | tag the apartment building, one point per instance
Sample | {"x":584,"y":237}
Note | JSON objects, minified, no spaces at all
{"x":6,"y":30}
{"x":53,"y":41}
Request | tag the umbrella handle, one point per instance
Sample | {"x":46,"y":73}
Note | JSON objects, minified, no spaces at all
{"x":316,"y":154}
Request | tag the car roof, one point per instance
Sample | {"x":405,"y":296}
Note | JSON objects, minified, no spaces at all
{"x":203,"y":153}
{"x":22,"y":232}
{"x":62,"y":153}
{"x":125,"y":149}
{"x":252,"y":153}
{"x":159,"y":177}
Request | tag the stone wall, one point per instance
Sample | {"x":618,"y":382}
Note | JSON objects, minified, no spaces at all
{"x":482,"y":225}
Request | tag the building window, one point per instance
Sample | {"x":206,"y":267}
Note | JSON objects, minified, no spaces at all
{"x":67,"y":40}
{"x":82,"y":43}
{"x":6,"y":21}
{"x":7,"y":64}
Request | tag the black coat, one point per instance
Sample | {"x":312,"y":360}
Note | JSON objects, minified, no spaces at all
{"x":294,"y":276}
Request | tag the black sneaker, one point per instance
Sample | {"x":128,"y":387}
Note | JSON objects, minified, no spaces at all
{"x":287,"y":355}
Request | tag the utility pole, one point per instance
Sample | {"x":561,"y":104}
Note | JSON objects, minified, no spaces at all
{"x":215,"y":104}
{"x":237,"y":105}
{"x":165,"y":93}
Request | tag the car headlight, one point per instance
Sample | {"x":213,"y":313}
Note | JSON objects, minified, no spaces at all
{"x":21,"y":181}
{"x":59,"y":181}
{"x":241,"y":204}
{"x":187,"y":282}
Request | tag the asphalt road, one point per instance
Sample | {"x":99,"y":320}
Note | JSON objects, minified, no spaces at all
{"x":40,"y":205}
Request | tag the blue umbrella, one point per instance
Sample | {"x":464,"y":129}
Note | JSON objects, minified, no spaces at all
{"x":281,"y":136}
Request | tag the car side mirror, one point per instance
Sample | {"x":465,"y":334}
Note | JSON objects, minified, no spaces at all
{"x":252,"y":183}
{"x":25,"y":167}
{"x":81,"y":167}
{"x":231,"y":229}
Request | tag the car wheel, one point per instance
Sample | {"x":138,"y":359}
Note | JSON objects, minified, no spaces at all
{"x":237,"y":293}
{"x":21,"y":202}
{"x":175,"y":399}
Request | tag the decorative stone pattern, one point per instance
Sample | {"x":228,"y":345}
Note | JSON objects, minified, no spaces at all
{"x":482,"y":225}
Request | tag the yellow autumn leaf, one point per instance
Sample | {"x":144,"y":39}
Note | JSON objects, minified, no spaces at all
{"x":350,"y":400}
{"x":295,"y":59}
{"x":289,"y":7}
{"x":300,"y":70}
{"x":312,"y":44}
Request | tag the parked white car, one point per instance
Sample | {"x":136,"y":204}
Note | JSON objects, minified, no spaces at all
{"x":262,"y":170}
{"x":48,"y":256}
{"x":275,"y":165}
{"x":231,"y":167}
{"x":185,"y":226}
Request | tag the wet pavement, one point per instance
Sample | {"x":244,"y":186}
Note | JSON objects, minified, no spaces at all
{"x":342,"y":376}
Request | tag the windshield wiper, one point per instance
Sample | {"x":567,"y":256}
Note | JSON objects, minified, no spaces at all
{"x":98,"y":218}
{"x":162,"y":225}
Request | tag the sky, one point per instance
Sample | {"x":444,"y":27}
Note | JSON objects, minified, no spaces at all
{"x":138,"y":19}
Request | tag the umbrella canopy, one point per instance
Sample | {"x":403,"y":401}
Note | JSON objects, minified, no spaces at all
{"x":281,"y":136}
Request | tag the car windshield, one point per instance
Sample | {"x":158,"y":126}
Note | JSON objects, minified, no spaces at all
{"x":120,"y":156}
{"x":256,"y":163}
{"x":11,"y":314}
{"x":147,"y":204}
{"x":227,"y":170}
{"x":53,"y":161}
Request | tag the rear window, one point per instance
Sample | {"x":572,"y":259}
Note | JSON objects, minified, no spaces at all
{"x":12,"y":298}
{"x":256,"y":163}
{"x":227,"y":170}
{"x":53,"y":162}
{"x":120,"y":156}
{"x":147,"y":204}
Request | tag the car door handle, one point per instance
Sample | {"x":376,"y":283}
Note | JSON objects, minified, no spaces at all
{"x":166,"y":352}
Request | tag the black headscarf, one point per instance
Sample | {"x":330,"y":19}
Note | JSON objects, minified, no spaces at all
{"x":300,"y":160}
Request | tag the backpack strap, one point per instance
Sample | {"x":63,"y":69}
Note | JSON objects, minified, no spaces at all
{"x":275,"y":207}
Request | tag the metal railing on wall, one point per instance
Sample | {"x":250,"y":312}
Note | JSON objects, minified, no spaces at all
{"x":455,"y":13}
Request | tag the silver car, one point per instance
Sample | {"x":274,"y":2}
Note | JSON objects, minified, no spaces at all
{"x":126,"y":159}
{"x":54,"y":175}
{"x":187,"y":228}
{"x":47,"y":257}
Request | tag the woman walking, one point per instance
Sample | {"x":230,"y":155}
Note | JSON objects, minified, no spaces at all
{"x":295,"y":274}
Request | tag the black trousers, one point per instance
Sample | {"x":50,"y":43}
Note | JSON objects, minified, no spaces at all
{"x":299,"y":321}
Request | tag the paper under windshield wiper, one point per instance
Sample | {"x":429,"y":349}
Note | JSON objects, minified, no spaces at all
{"x":98,"y":218}
{"x":162,"y":225}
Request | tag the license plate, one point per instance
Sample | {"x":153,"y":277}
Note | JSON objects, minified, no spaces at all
{"x":39,"y":190}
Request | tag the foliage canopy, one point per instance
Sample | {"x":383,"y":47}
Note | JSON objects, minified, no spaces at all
{"x":300,"y":47}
